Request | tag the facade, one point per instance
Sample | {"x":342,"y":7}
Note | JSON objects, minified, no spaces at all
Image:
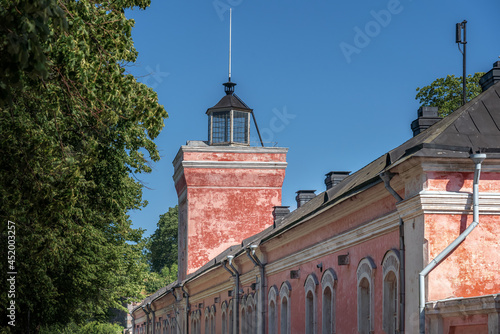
{"x":370,"y":254}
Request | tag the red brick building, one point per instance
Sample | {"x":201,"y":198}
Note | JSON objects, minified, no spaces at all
{"x":370,"y":254}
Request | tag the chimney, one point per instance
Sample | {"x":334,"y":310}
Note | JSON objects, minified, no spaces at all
{"x":279,"y":212}
{"x":304,"y":196}
{"x":427,"y":116}
{"x":490,"y":78}
{"x":334,"y":178}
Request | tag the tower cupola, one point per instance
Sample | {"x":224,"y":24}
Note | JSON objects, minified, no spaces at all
{"x":229,"y":120}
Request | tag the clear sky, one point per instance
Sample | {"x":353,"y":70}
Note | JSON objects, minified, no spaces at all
{"x":334,"y":81}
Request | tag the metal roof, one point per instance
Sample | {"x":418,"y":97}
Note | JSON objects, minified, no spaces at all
{"x":229,"y":102}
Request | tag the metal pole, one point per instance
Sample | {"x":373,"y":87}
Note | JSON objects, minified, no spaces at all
{"x":464,"y":78}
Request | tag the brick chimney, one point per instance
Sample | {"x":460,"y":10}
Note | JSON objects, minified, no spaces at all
{"x":490,"y":78}
{"x":427,"y":116}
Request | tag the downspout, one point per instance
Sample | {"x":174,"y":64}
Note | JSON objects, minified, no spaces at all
{"x":153,"y":330}
{"x":133,"y":321}
{"x":477,"y":159}
{"x":147,"y":318}
{"x":236,"y":306}
{"x":386,"y":177}
{"x":251,"y":254}
{"x":187,"y":307}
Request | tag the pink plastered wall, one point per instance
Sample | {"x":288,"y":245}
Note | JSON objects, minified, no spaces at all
{"x":226,"y":205}
{"x":473,"y":269}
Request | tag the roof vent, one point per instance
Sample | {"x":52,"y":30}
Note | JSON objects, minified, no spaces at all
{"x":427,"y":116}
{"x":304,"y":196}
{"x":490,"y":78}
{"x":334,"y":178}
{"x":279,"y":212}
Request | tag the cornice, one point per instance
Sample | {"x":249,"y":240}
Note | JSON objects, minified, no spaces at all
{"x":443,"y":202}
{"x":235,"y":164}
{"x":337,"y":243}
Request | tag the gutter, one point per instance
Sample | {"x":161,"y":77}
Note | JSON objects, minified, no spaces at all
{"x":477,"y":159}
{"x":251,"y":254}
{"x":386,"y":177}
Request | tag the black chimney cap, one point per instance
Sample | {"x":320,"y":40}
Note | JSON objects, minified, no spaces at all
{"x":491,"y":77}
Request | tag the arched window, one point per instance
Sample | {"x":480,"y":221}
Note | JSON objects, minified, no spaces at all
{"x":230,"y":317}
{"x":285,"y":315}
{"x":212,"y":319}
{"x":224,"y":318}
{"x":365,"y":274}
{"x":207,"y":319}
{"x":251,"y":315}
{"x":390,"y":312}
{"x":328,"y":286}
{"x":310,"y":315}
{"x":272,"y":310}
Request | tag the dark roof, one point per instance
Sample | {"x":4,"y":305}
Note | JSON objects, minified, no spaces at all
{"x":474,"y":127}
{"x":228,"y":102}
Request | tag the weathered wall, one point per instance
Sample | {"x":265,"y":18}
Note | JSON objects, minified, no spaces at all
{"x":226,"y":194}
{"x":473,"y":269}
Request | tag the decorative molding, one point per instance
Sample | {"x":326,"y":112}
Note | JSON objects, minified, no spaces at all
{"x":311,"y":283}
{"x":337,"y":243}
{"x":458,"y":307}
{"x":234,"y":164}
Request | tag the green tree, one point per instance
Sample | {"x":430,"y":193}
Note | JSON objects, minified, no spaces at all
{"x":446,"y":93}
{"x":163,"y":242}
{"x":74,"y":128}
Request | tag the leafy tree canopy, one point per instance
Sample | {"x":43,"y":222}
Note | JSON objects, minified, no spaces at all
{"x":163,"y":242}
{"x":74,"y":129}
{"x":446,"y":93}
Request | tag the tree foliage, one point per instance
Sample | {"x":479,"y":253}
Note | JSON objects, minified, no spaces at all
{"x":161,"y":252}
{"x":446,"y":93}
{"x":163,"y":242}
{"x":74,"y":128}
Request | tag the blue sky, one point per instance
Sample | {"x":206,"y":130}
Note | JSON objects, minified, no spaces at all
{"x":333,"y":81}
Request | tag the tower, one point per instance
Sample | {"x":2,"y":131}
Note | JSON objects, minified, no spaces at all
{"x":226,"y":188}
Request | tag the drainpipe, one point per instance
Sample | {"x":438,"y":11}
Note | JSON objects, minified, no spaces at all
{"x":147,"y":318}
{"x":153,"y":330}
{"x":133,"y":321}
{"x":251,"y":254}
{"x":386,"y":177}
{"x":187,"y":307}
{"x":477,"y":159}
{"x":236,"y":306}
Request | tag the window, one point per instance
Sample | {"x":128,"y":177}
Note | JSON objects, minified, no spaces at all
{"x":328,"y":285}
{"x":240,"y":127}
{"x":221,"y":130}
{"x":207,"y":318}
{"x":285,"y":317}
{"x":310,"y":314}
{"x":365,"y":272}
{"x":224,"y":317}
{"x":250,"y":316}
{"x":212,"y":319}
{"x":390,"y":312}
{"x":230,"y":318}
{"x":272,"y":312}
